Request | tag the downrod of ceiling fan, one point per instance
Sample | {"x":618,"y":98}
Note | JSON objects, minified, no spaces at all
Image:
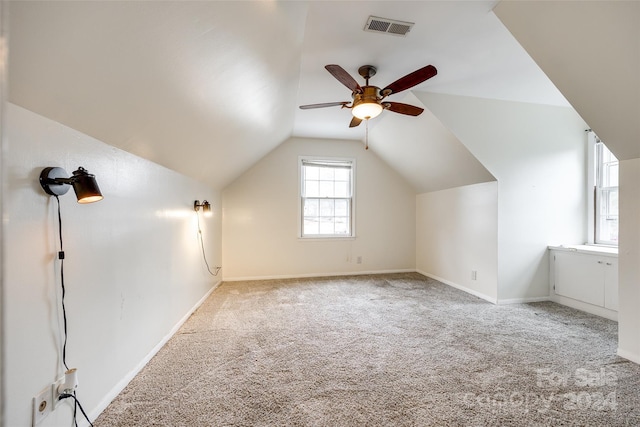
{"x":367,"y":71}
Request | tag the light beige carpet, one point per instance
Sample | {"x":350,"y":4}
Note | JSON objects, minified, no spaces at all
{"x":383,"y":350}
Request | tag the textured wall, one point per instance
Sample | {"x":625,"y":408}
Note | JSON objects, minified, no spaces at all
{"x":261,"y":211}
{"x":133,"y":266}
{"x":538,"y":155}
{"x":629,"y":258}
{"x":457,"y":233}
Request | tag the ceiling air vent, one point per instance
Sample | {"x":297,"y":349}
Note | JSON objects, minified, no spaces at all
{"x":388,"y":26}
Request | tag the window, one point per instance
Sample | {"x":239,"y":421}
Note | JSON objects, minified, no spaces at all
{"x":606,"y":196}
{"x":326,"y":197}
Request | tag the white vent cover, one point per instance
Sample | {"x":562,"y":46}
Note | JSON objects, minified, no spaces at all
{"x":389,"y":26}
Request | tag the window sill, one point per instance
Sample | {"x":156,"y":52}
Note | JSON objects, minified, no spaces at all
{"x":325,"y":239}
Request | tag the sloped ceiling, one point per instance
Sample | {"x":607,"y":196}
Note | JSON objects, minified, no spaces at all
{"x":204,"y":88}
{"x":208,"y":88}
{"x":425,"y":152}
{"x":591,"y":50}
{"x":474,"y":53}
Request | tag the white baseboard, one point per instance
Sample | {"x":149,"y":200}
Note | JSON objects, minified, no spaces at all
{"x":635,"y":358}
{"x":301,"y":276}
{"x":522,"y":300}
{"x":462,"y":288}
{"x":117,"y":389}
{"x":583,"y":306}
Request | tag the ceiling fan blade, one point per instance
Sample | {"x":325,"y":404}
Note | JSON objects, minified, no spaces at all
{"x":355,"y":122}
{"x":399,"y":107}
{"x":410,"y":80}
{"x":343,"y":77}
{"x":326,"y":104}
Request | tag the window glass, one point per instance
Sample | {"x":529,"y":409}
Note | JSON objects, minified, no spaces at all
{"x":606,"y":197}
{"x":326,"y":191}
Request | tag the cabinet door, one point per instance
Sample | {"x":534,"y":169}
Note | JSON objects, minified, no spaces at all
{"x":580,"y":276}
{"x":611,"y":283}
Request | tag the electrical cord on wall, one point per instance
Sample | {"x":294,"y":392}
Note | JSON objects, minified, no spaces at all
{"x":204,"y":255}
{"x":76,"y":402}
{"x":64,"y":311}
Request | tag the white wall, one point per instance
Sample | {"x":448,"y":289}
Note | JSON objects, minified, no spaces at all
{"x":261,"y":217}
{"x":537,"y":154}
{"x":629,"y":261}
{"x":591,"y":52}
{"x":133,"y":265}
{"x":457,"y":232}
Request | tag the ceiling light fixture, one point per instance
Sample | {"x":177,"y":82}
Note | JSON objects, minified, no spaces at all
{"x":367,"y":99}
{"x":367,"y":110}
{"x":54,"y":181}
{"x":366,"y":105}
{"x":206,"y":207}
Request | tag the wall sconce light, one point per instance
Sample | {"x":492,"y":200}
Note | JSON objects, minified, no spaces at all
{"x":206,"y":207}
{"x":54,"y":181}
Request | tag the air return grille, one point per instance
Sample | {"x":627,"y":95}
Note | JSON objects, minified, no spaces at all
{"x":388,"y":26}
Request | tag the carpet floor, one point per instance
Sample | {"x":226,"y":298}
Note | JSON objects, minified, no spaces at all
{"x":380,"y":350}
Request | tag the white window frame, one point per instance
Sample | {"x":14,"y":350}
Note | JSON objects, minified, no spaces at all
{"x":595,"y":190}
{"x":301,"y":198}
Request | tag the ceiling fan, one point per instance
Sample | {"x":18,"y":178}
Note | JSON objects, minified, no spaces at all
{"x":367,"y":100}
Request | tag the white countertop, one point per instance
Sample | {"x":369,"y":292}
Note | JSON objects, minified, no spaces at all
{"x":588,"y":249}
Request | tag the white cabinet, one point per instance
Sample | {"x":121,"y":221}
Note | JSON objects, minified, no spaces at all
{"x":611,"y":283}
{"x":586,"y":276}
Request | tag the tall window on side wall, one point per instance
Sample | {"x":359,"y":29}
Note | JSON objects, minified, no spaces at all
{"x":605,"y":195}
{"x":326,"y":197}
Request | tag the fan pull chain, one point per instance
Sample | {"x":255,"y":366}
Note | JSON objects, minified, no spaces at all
{"x":366,"y":133}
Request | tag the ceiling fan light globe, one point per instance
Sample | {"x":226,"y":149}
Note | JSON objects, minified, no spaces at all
{"x":366,"y":110}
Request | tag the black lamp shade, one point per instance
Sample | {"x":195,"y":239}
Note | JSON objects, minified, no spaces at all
{"x":54,"y":182}
{"x":86,"y":187}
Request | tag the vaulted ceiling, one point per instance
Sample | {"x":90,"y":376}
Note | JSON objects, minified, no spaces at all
{"x":208,"y":88}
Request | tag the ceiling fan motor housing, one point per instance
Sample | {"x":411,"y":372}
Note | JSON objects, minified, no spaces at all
{"x":369,"y":94}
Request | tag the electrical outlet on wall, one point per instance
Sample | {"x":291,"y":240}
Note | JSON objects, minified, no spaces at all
{"x":359,"y":260}
{"x":474,"y":275}
{"x":42,"y":406}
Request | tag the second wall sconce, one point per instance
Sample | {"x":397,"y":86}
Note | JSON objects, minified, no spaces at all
{"x":206,"y":207}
